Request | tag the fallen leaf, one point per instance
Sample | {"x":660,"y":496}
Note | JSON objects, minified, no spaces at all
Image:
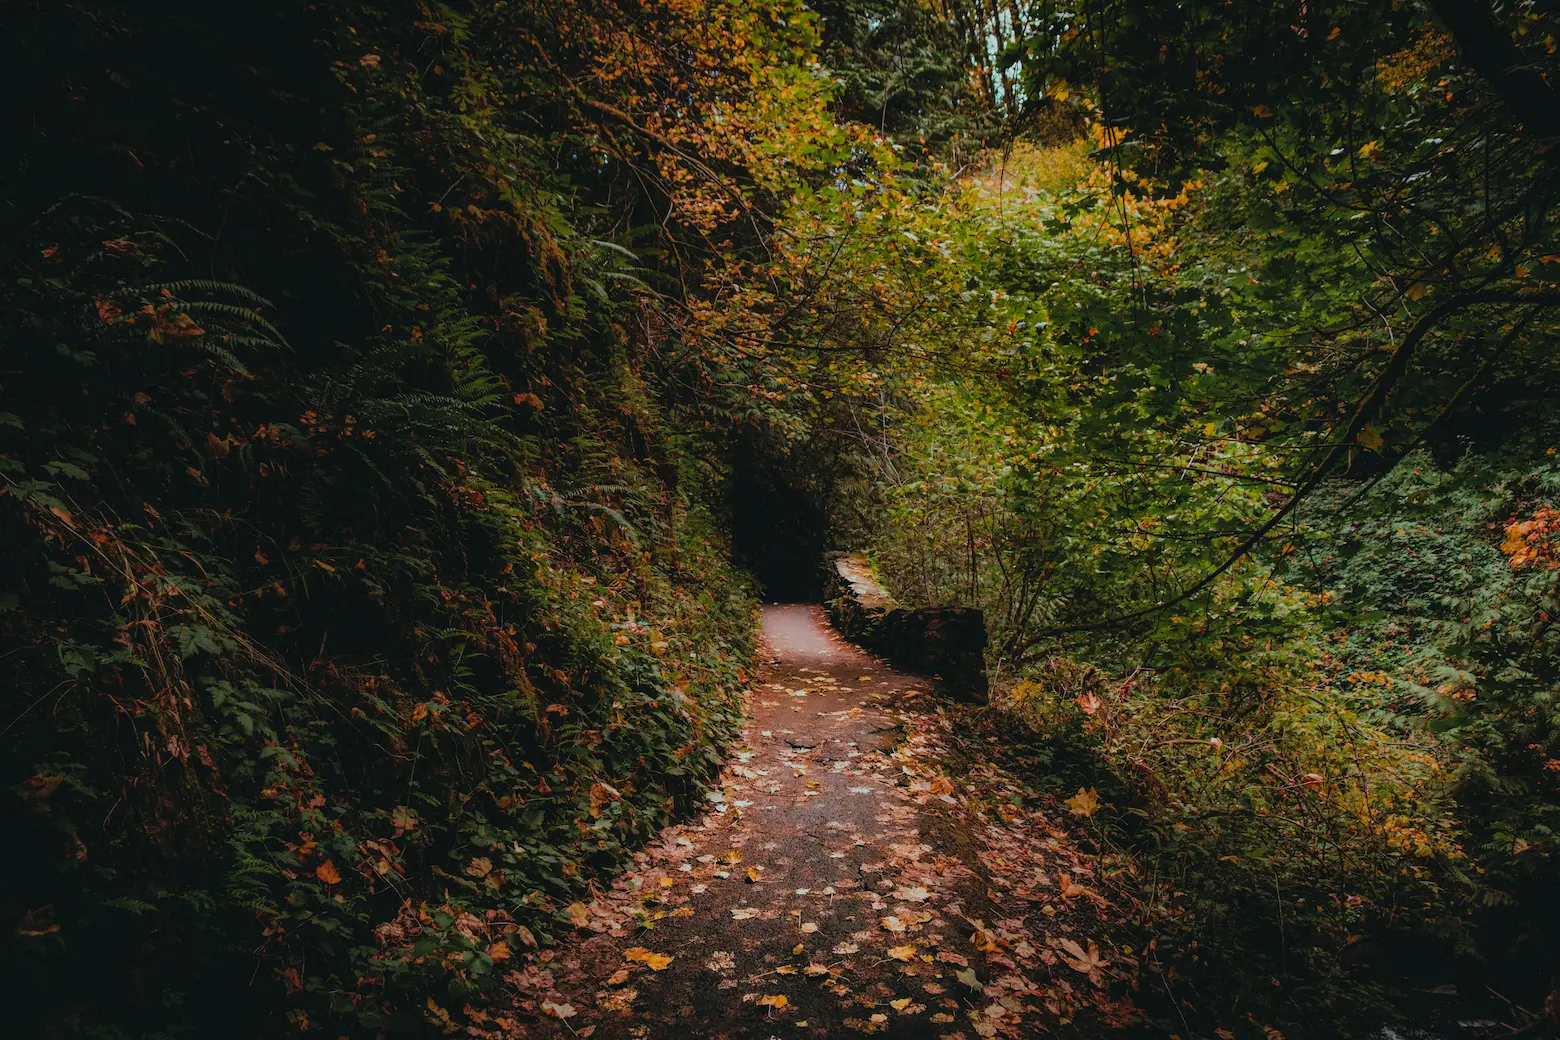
{"x":1084,"y":803}
{"x":578,"y":914}
{"x":893,"y":924}
{"x":1069,"y":890}
{"x":969,"y":978}
{"x":1087,"y":961}
{"x":778,"y":1000}
{"x":617,"y":978}
{"x":900,"y":1004}
{"x":655,"y":961}
{"x":752,"y":874}
{"x":328,"y":873}
{"x":403,"y":819}
{"x":742,"y":913}
{"x":558,"y":1010}
{"x":809,"y":928}
{"x":903,"y":953}
{"x":911,"y":895}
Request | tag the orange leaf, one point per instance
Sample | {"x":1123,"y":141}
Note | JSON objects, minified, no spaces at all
{"x":1084,"y":803}
{"x":640,"y":955}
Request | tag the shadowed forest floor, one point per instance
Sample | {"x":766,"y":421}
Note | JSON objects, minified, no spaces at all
{"x":850,"y":876}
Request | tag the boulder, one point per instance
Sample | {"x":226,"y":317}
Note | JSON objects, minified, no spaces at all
{"x":946,"y":642}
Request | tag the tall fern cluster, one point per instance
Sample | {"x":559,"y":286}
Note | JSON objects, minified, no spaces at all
{"x":363,"y":592}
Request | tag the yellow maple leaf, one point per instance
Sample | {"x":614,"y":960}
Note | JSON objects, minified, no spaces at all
{"x":640,"y":955}
{"x":577,"y":914}
{"x":903,"y":953}
{"x":328,"y":873}
{"x":1084,"y":803}
{"x":778,"y":1000}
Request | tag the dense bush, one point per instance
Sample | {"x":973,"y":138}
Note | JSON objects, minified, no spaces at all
{"x":364,"y":592}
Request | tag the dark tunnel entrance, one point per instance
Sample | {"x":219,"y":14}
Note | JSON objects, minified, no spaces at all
{"x":778,"y":532}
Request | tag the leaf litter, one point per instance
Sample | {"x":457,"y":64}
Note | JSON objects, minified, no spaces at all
{"x":1003,"y":933}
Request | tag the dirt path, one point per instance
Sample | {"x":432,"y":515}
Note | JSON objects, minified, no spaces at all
{"x":844,"y":882}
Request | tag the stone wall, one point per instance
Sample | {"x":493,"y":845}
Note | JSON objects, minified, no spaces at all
{"x":946,"y":642}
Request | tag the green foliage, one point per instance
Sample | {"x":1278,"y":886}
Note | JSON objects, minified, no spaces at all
{"x":900,"y":68}
{"x":1118,"y":387}
{"x":376,"y":375}
{"x":1461,"y":648}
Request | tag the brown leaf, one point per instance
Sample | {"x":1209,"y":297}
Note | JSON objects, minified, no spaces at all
{"x":39,"y":921}
{"x":1069,"y":890}
{"x":1087,"y":961}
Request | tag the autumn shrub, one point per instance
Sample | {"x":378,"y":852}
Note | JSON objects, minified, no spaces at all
{"x":1454,"y":556}
{"x":1263,"y":823}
